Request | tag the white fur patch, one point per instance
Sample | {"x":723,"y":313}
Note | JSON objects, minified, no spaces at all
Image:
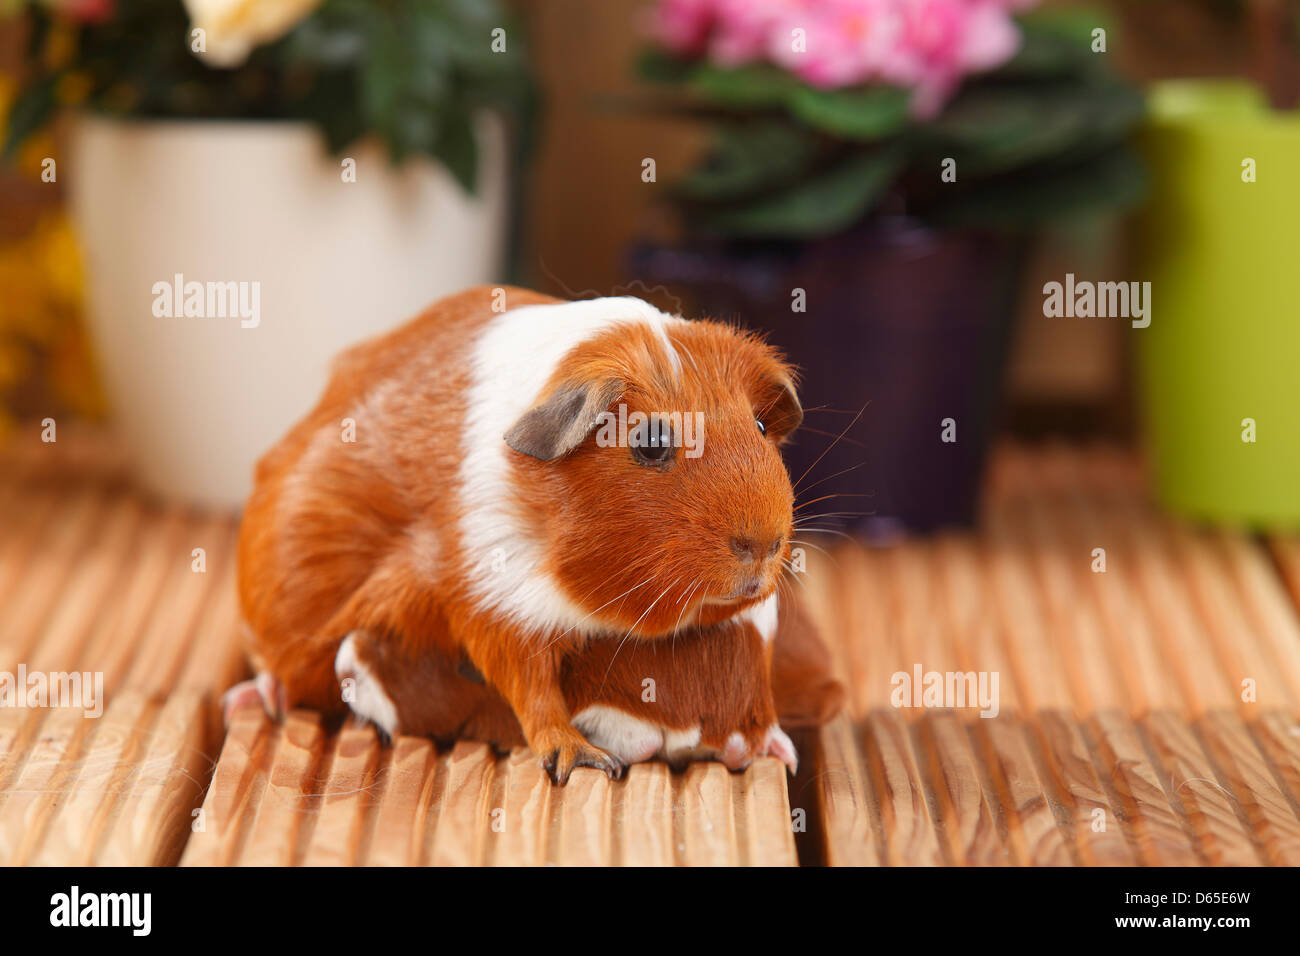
{"x":681,"y":741}
{"x":763,"y":616}
{"x":516,"y":355}
{"x":368,"y":697}
{"x":629,"y":738}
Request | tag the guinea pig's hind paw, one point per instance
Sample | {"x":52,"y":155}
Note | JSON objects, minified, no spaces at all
{"x":264,"y":689}
{"x":779,"y":745}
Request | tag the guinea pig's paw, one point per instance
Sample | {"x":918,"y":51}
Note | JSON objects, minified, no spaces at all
{"x":778,"y":744}
{"x":563,"y":748}
{"x":264,"y":689}
{"x":626,"y":736}
{"x":735,"y":752}
{"x":361,"y":690}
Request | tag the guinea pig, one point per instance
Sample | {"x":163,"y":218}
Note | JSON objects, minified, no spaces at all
{"x":699,"y":696}
{"x":510,"y":477}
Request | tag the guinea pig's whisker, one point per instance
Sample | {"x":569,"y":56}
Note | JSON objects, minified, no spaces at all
{"x":785,"y":580}
{"x":824,"y":453}
{"x":809,"y":544}
{"x":844,"y":471}
{"x":834,"y":531}
{"x":838,"y":494}
{"x":818,"y":431}
{"x":596,"y":611}
{"x":686,"y":602}
{"x":826,"y":520}
{"x":635,"y":625}
{"x":828,"y":409}
{"x":807,"y":521}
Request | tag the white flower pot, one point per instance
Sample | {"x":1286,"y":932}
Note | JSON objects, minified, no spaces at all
{"x":199,"y":399}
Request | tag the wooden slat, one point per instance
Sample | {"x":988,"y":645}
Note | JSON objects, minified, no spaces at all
{"x":234,"y":793}
{"x":1245,"y":772}
{"x":1152,"y":821}
{"x":644,"y":816}
{"x":906,"y":818}
{"x":1030,"y":818}
{"x":404,"y":793}
{"x":971,"y":828}
{"x":155,"y":813}
{"x":847,"y":807}
{"x":102,"y":773}
{"x":1188,"y":776}
{"x":336,"y":838}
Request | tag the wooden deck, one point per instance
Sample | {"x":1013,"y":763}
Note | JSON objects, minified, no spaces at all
{"x":1147,"y":714}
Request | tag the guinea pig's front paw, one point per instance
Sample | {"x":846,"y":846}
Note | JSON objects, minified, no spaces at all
{"x":561,"y":749}
{"x":739,"y":750}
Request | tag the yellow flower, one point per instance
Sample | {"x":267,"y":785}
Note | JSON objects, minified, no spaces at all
{"x":33,"y":152}
{"x":14,"y":360}
{"x":61,"y":259}
{"x":42,"y":340}
{"x":233,"y":27}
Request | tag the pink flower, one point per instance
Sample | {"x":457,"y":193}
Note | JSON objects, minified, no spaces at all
{"x":926,"y":46}
{"x":744,"y":28}
{"x":844,"y":42}
{"x":683,"y":26}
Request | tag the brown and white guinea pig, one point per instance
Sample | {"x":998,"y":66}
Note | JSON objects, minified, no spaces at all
{"x":451,"y":494}
{"x":699,"y":696}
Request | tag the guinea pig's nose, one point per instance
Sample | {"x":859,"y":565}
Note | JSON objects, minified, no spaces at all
{"x":752,"y":549}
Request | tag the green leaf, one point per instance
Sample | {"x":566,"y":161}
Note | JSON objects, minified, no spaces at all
{"x":863,"y":114}
{"x":1057,"y":42}
{"x":1074,"y":24}
{"x":991,"y":127}
{"x":1114,"y":179}
{"x":655,"y":66}
{"x":820,"y":205}
{"x":748,"y":158}
{"x":457,"y":149}
{"x":756,"y":86}
{"x":32,"y":109}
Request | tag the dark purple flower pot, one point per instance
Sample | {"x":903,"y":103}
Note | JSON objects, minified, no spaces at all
{"x":905,"y":324}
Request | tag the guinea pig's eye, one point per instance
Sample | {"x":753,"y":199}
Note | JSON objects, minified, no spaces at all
{"x":652,"y":443}
{"x":762,"y":429}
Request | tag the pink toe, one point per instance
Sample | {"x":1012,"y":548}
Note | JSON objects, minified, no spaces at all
{"x":780,"y":746}
{"x":735,"y":753}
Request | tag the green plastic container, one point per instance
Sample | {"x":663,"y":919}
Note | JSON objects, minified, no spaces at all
{"x":1223,"y":346}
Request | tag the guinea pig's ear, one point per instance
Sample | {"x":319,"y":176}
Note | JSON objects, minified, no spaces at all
{"x":562,"y":419}
{"x":778,"y":408}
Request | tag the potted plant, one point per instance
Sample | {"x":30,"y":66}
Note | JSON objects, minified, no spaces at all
{"x":257,"y":186}
{"x":877,"y":169}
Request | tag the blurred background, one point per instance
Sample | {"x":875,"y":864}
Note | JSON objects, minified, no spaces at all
{"x":885,"y":186}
